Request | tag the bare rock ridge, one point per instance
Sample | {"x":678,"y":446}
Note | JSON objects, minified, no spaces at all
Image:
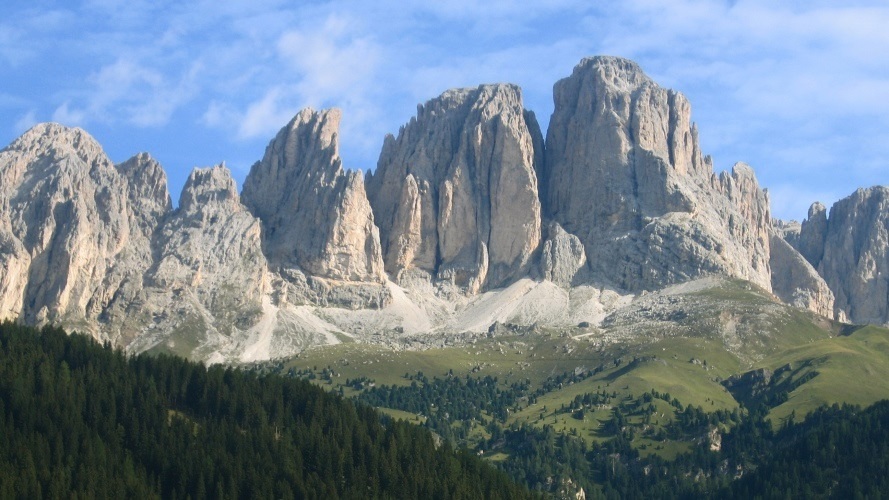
{"x":64,"y":228}
{"x":796,"y":282}
{"x":625,"y":174}
{"x":850,"y":250}
{"x":209,"y":275}
{"x":455,"y":195}
{"x":315,"y":216}
{"x":469,"y":219}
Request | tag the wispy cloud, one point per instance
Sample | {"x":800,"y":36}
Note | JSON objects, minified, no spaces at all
{"x":67,"y":116}
{"x":267,"y":114}
{"x":127,"y":91}
{"x":26,"y":121}
{"x":330,"y":62}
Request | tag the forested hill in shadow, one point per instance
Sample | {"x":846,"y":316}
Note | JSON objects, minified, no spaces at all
{"x":82,"y":420}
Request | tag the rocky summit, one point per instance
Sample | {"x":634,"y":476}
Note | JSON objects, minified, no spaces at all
{"x":470,"y":220}
{"x":850,"y":250}
{"x":624,"y":173}
{"x":456,"y":195}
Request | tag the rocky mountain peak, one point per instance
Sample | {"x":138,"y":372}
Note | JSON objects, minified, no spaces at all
{"x":148,"y":193}
{"x":65,"y":220}
{"x":208,"y":186}
{"x":813,"y":231}
{"x":456,"y":194}
{"x":625,"y":174}
{"x":53,"y":139}
{"x":315,"y":217}
{"x":468,"y":198}
{"x":850,"y":249}
{"x":623,"y":75}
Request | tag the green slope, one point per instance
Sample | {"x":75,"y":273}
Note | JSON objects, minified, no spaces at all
{"x":686,"y":348}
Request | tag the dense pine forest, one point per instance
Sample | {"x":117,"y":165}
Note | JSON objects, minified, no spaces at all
{"x":82,"y":420}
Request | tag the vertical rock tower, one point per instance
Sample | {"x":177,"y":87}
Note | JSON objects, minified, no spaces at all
{"x":850,"y":249}
{"x":456,"y":194}
{"x":315,"y":216}
{"x":625,"y":174}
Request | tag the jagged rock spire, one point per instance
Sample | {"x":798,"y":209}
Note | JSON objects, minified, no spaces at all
{"x":455,"y":195}
{"x":624,"y":172}
{"x":315,"y":216}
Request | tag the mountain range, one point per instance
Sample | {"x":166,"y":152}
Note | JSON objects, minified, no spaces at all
{"x":472,"y":218}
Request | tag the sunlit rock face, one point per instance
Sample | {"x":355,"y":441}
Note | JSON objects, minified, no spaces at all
{"x":74,"y":235}
{"x":455,"y":194}
{"x":315,"y":215}
{"x":469,"y":219}
{"x":850,"y":249}
{"x":625,"y":174}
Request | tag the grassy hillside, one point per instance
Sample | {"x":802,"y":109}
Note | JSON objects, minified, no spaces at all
{"x":852,"y":369}
{"x":684,"y":344}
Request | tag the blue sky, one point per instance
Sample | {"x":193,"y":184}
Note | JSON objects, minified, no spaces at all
{"x":797,"y":89}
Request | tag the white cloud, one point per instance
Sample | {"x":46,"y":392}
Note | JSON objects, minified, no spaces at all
{"x":128,"y":91}
{"x":330,"y":62}
{"x":65,"y":115}
{"x":266,"y":115}
{"x":25,"y":122}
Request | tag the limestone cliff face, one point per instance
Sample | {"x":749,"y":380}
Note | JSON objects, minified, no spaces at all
{"x":624,"y":172}
{"x":812,"y":234}
{"x":64,"y":226}
{"x":850,"y":249}
{"x":456,"y":194}
{"x":315,"y":216}
{"x":795,"y":281}
{"x":149,"y":204}
{"x":209,"y":265}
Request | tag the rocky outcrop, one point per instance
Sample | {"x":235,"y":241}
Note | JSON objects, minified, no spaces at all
{"x":211,"y":242}
{"x":210,"y":263}
{"x":64,"y":226}
{"x":456,"y":195}
{"x":149,"y":204}
{"x":795,"y":281}
{"x":850,"y":249}
{"x":813,"y":232}
{"x":624,"y":172}
{"x":563,"y":256}
{"x":315,"y":216}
